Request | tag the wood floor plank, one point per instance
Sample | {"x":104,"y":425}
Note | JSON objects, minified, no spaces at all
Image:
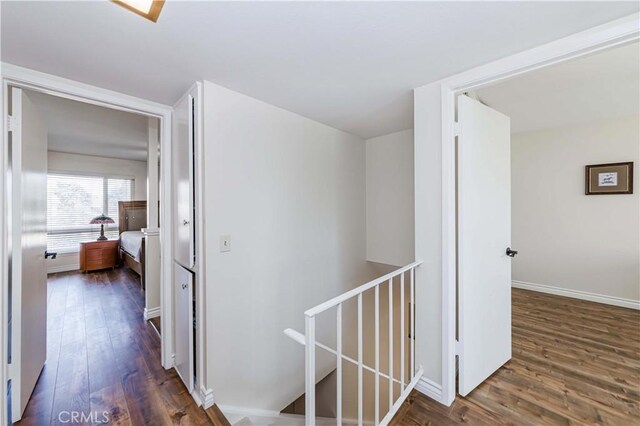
{"x":596,"y":396}
{"x":109,"y":405}
{"x":592,"y":352}
{"x":101,"y":361}
{"x":102,"y":357}
{"x":579,"y":361}
{"x":144,"y":406}
{"x":215,"y":415}
{"x":574,"y":362}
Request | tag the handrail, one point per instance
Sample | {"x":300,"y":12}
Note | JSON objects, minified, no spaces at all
{"x":296,"y":336}
{"x":308,"y":340}
{"x":361,"y":289}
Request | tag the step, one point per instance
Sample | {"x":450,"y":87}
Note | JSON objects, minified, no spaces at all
{"x":246,"y":417}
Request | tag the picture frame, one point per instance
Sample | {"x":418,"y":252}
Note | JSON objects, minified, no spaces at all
{"x":609,"y":179}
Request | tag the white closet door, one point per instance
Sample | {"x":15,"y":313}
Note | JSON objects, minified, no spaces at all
{"x":183,"y":185}
{"x":484,"y":235}
{"x":183,"y":296}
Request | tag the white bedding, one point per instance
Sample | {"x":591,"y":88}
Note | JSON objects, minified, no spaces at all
{"x":131,"y":242}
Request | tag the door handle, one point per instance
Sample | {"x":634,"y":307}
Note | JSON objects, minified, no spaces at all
{"x":51,"y":255}
{"x":511,"y":253}
{"x":185,"y":222}
{"x":184,"y":286}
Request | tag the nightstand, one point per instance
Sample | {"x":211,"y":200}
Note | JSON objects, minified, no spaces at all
{"x":96,"y":255}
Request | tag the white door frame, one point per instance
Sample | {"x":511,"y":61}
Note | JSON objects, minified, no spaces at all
{"x":50,"y":84}
{"x":605,"y":36}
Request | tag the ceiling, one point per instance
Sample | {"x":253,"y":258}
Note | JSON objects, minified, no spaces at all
{"x":597,"y":87}
{"x":80,"y":128}
{"x":351,"y":65}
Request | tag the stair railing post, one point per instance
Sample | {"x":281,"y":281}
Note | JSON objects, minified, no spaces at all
{"x":403,"y":337}
{"x":339,"y":365}
{"x":310,"y":370}
{"x":413,"y":318}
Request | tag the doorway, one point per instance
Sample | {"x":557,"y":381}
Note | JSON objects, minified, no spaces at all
{"x":563,"y":117}
{"x":76,"y":167}
{"x":434,"y":144}
{"x":24,"y":83}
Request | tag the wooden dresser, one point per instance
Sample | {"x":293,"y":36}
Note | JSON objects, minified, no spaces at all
{"x":96,"y":255}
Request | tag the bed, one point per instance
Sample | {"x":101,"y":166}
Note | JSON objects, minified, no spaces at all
{"x":132,"y":218}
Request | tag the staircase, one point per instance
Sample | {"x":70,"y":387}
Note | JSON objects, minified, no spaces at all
{"x":362,"y":346}
{"x":325,"y":399}
{"x":390,"y":326}
{"x":266,"y":418}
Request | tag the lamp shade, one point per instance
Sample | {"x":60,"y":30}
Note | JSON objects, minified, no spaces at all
{"x":102,"y":219}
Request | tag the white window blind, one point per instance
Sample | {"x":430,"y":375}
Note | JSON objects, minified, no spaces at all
{"x":73,"y":200}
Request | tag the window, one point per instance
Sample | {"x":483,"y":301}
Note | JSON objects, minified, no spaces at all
{"x":73,"y":200}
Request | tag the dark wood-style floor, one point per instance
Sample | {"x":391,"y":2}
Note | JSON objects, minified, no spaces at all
{"x":574,"y":363}
{"x":103,"y":357}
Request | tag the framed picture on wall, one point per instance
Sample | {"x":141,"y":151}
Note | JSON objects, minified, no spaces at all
{"x":609,"y":179}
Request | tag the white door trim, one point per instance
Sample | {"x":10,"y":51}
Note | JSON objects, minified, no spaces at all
{"x":46,"y":83}
{"x":614,"y":33}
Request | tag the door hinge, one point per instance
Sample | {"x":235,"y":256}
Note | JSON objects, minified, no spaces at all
{"x":10,"y":371}
{"x":456,"y":128}
{"x":458,"y":348}
{"x":12,"y":123}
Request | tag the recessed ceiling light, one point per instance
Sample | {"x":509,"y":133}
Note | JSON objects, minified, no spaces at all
{"x":150,"y":9}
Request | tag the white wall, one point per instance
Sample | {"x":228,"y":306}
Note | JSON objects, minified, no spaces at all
{"x":64,"y":162}
{"x":566,"y":239}
{"x":291,"y":194}
{"x":390,"y":199}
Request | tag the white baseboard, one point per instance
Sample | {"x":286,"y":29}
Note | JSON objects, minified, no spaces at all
{"x":430,"y":388}
{"x":576,"y":294}
{"x":196,"y":397}
{"x":206,"y":398}
{"x":63,"y":268}
{"x":151,"y":313}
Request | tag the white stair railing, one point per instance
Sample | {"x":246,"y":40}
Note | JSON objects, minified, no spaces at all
{"x":308,"y":340}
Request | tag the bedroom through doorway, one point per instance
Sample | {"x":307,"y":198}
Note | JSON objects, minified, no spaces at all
{"x":91,"y":174}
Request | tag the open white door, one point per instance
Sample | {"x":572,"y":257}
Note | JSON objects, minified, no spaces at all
{"x":484,"y":234}
{"x":29,"y":243}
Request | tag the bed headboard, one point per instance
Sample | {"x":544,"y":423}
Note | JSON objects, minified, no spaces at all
{"x":132,"y":215}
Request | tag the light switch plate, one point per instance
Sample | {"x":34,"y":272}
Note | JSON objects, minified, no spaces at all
{"x":225,"y":243}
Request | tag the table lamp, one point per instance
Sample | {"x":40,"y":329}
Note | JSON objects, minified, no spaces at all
{"x":102,"y":219}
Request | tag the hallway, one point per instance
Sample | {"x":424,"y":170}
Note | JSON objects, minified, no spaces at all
{"x":103,"y":359}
